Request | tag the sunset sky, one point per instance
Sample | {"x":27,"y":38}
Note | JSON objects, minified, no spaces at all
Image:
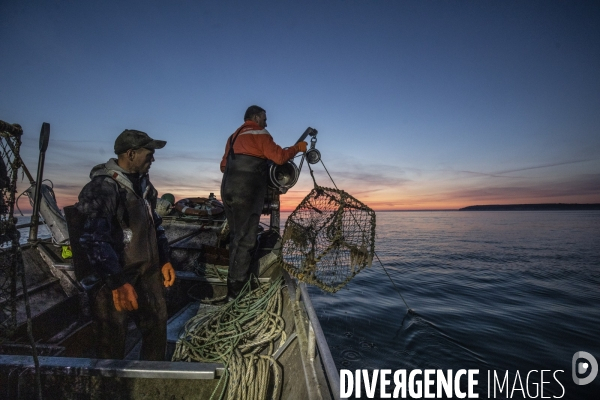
{"x":419,"y":104}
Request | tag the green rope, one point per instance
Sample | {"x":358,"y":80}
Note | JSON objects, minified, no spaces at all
{"x":210,"y":270}
{"x":237,"y":335}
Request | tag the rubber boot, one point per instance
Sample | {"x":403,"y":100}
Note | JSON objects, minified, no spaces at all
{"x":233,"y":289}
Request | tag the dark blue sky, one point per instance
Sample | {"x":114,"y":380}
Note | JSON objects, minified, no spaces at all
{"x":419,"y":104}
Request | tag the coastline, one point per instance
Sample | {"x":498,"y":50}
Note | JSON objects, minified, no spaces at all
{"x":533,"y":207}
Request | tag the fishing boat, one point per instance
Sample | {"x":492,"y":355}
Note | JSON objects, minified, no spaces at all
{"x":46,"y":341}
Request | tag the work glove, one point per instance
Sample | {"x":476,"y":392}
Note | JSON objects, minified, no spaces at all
{"x":168,"y":273}
{"x":301,"y":147}
{"x":125,"y":298}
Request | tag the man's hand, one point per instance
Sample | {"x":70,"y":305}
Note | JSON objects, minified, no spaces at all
{"x":302,"y":147}
{"x":125,"y":298}
{"x":168,"y":274}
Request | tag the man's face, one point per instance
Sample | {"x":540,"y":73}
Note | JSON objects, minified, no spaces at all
{"x":261,"y":119}
{"x":142,"y":159}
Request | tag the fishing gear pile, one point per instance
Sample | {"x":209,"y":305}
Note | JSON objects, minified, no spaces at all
{"x":242,"y":335}
{"x":328,"y":239}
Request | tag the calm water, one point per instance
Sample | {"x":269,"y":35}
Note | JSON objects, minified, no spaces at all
{"x":43,"y":231}
{"x":502,"y":291}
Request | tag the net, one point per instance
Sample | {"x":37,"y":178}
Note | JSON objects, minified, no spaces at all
{"x":10,"y":252}
{"x":328,"y":239}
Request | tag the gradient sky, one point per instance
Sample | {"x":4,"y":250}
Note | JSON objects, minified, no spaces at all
{"x":419,"y":104}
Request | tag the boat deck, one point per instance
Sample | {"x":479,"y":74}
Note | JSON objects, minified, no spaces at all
{"x":63,"y":332}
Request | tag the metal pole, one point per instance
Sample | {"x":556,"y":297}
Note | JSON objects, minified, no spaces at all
{"x":44,"y":138}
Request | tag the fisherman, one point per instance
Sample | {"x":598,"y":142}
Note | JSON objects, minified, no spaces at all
{"x":127,"y":249}
{"x":244,"y":187}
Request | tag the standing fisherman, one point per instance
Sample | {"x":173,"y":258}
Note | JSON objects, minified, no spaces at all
{"x":244,"y":187}
{"x":127,"y":249}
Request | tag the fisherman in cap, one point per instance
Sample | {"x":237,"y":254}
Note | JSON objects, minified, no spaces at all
{"x":127,"y":249}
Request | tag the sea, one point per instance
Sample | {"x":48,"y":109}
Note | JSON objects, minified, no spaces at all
{"x":43,"y":231}
{"x":507,"y":293}
{"x":511,"y":294}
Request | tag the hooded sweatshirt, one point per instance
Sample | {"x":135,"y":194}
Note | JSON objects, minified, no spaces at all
{"x":123,"y":236}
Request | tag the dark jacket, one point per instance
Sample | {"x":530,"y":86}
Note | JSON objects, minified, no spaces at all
{"x":123,"y":236}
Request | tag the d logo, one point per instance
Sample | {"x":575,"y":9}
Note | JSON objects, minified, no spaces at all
{"x":582,"y":367}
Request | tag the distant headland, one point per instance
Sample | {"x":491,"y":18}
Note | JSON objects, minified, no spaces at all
{"x":534,"y":207}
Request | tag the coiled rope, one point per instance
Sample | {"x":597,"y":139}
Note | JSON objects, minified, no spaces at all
{"x":209,"y":270}
{"x":242,"y":335}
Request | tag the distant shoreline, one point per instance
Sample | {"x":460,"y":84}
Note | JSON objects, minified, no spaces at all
{"x":534,"y":207}
{"x":444,"y":209}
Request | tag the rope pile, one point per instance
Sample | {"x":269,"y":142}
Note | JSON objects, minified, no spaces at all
{"x":242,"y":335}
{"x":208,"y":270}
{"x":328,"y":239}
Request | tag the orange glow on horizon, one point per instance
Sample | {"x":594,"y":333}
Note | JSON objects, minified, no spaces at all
{"x":378,"y":201}
{"x":290,"y":201}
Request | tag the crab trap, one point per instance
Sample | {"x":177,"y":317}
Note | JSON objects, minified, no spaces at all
{"x":328,"y":239}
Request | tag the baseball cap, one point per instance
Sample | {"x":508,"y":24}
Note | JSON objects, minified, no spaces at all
{"x":132,"y":139}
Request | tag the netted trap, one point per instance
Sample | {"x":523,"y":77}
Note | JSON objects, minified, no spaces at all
{"x":10,"y":251}
{"x":328,"y":239}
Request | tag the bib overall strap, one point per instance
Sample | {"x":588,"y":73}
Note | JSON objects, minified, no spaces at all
{"x":232,"y":140}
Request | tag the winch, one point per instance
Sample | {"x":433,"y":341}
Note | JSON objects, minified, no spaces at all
{"x":284,"y":177}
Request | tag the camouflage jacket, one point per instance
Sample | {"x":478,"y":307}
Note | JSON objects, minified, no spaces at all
{"x":102,"y":202}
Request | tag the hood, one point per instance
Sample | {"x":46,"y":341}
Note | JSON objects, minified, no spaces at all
{"x":112,"y":169}
{"x":103,"y":169}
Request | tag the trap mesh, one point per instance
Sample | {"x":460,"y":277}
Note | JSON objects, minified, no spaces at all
{"x":329,"y":238}
{"x":10,"y":252}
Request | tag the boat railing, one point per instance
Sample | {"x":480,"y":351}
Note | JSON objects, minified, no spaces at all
{"x":311,"y":339}
{"x":316,"y":339}
{"x":117,"y":368}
